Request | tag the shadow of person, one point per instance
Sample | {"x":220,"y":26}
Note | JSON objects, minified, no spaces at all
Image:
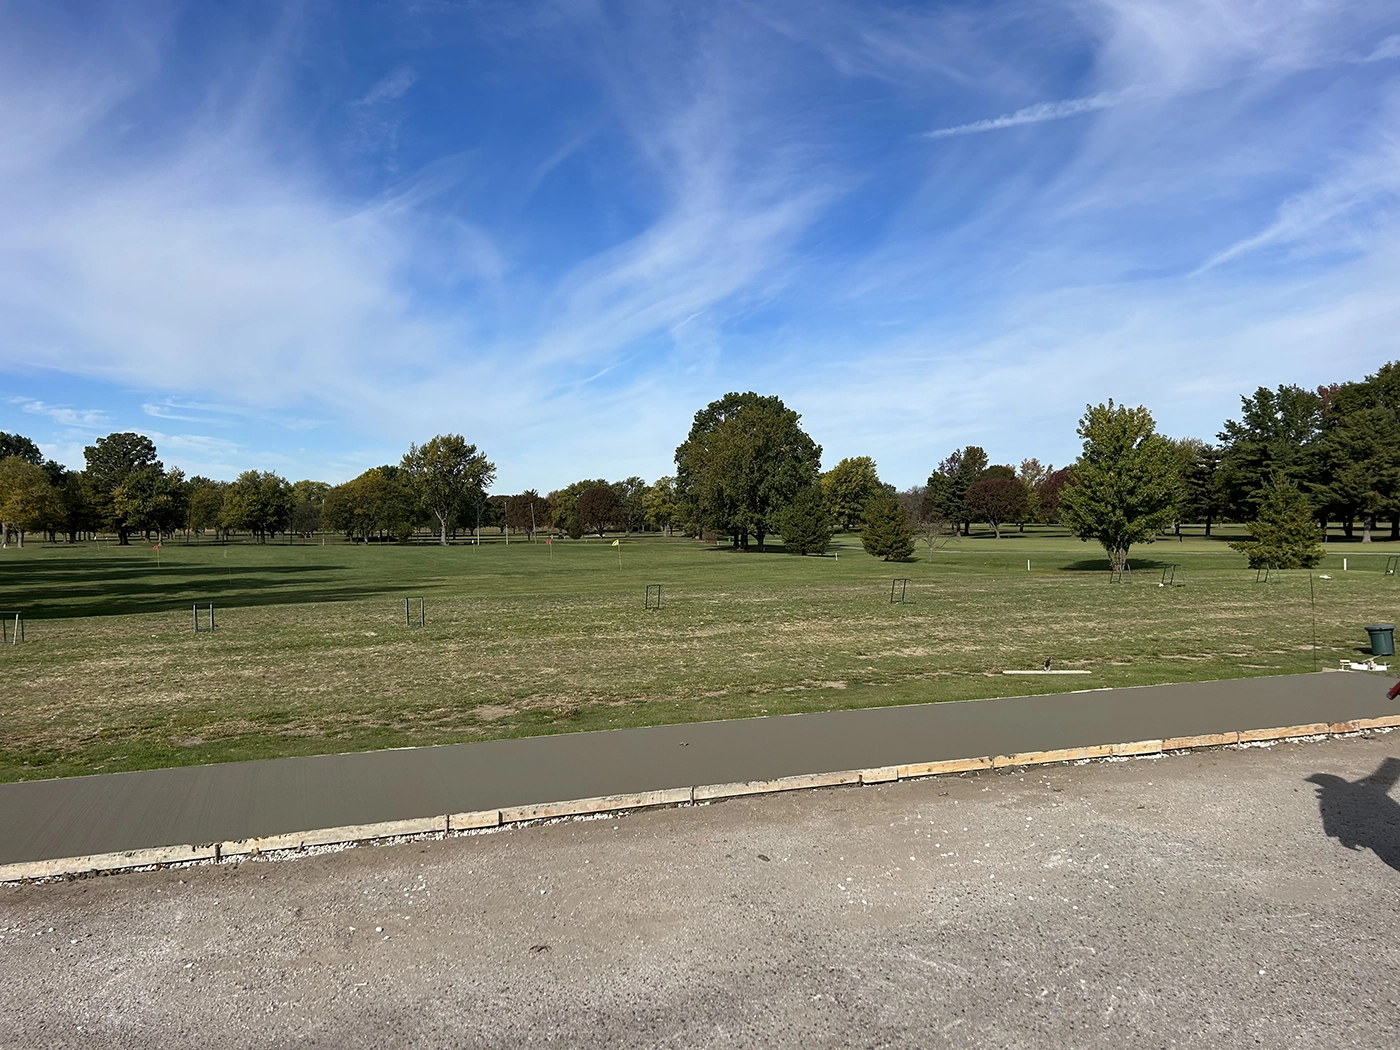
{"x":1361,"y":814}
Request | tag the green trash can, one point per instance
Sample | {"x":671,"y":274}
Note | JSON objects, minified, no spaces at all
{"x":1382,"y":639}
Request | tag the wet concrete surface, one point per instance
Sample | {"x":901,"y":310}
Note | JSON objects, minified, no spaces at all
{"x":83,"y":815}
{"x":1220,"y":899}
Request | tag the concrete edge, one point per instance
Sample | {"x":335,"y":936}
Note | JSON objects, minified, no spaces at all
{"x":160,"y":856}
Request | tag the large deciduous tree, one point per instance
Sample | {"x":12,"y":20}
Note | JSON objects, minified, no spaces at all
{"x":526,"y":512}
{"x":259,"y":502}
{"x":151,"y":500}
{"x":563,"y":506}
{"x":1126,"y":483}
{"x":744,"y":461}
{"x":599,"y":509}
{"x":111,"y":461}
{"x":307,"y":497}
{"x":1033,"y":475}
{"x":1047,"y":495}
{"x":445,"y":471}
{"x":996,"y":500}
{"x":849,"y":487}
{"x":631,"y":499}
{"x":27,"y":500}
{"x":374,"y":503}
{"x":206,"y":505}
{"x":660,"y":503}
{"x":21,"y":446}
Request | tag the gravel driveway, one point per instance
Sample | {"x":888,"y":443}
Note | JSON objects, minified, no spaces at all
{"x":1206,"y":900}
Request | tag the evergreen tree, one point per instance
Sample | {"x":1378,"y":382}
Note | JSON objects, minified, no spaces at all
{"x":1286,"y":533}
{"x":1203,"y":496}
{"x":887,"y":532}
{"x":946,"y":492}
{"x":1358,"y":454}
{"x":806,"y":525}
{"x":1277,"y":432}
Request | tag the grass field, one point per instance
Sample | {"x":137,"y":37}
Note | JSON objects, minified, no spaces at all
{"x":311,"y":654}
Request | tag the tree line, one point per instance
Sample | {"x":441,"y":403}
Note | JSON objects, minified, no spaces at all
{"x":747,"y":470}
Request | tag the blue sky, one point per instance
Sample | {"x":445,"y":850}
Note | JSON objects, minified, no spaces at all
{"x":298,"y":236}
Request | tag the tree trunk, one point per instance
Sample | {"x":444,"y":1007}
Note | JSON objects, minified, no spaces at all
{"x":996,"y":530}
{"x":1348,"y":527}
{"x":760,"y":535}
{"x":744,"y":540}
{"x":1207,"y":526}
{"x":1366,"y":525}
{"x":442,"y":535}
{"x":123,"y":537}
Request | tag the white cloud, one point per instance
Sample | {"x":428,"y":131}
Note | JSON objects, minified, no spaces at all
{"x":78,"y":418}
{"x":1036,"y":114}
{"x":1385,"y":49}
{"x":230,"y":277}
{"x":1353,"y":207}
{"x":391,"y":88}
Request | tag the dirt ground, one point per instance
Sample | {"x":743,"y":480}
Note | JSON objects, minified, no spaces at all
{"x":1220,"y":899}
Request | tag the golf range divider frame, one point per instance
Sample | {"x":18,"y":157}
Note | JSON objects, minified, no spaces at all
{"x":11,"y":626}
{"x":294,"y":843}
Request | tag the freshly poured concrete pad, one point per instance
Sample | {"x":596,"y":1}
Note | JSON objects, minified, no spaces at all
{"x":209,"y":804}
{"x":1195,"y":900}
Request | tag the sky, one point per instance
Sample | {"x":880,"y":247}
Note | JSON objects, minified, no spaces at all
{"x":297,"y":236}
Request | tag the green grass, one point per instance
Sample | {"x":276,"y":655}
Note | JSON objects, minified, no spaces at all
{"x":311,"y":655}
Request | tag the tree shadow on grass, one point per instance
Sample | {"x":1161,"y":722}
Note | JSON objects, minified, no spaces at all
{"x":1361,"y":814}
{"x":96,"y":586}
{"x":1143,"y":565}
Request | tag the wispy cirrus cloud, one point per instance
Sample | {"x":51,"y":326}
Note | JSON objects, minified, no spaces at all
{"x":77,"y":418}
{"x":1038,"y":113}
{"x":562,"y":229}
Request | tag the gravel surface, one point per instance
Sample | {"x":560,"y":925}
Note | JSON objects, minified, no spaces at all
{"x":1216,"y":899}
